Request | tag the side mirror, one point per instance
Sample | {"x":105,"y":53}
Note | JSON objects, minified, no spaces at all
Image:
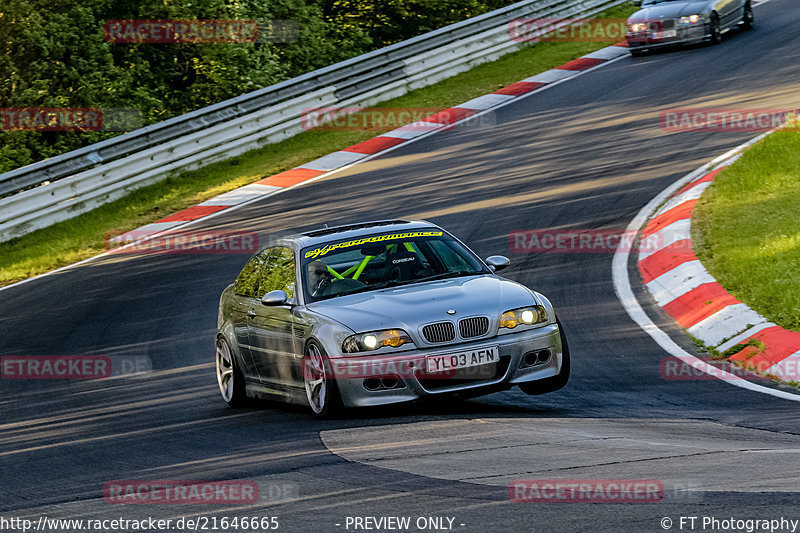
{"x":497,"y":262}
{"x":275,"y":298}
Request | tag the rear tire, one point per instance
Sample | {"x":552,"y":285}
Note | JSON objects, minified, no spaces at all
{"x":716,"y":31}
{"x":322,"y":393}
{"x":229,"y":377}
{"x":748,"y":21}
{"x":544,"y":386}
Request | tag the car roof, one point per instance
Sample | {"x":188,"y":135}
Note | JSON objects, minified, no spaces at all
{"x":354,"y":231}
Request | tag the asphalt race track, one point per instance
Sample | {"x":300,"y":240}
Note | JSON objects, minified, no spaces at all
{"x":586,"y":154}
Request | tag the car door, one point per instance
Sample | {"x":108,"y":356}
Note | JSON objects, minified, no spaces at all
{"x":270,"y":328}
{"x":240,"y":308}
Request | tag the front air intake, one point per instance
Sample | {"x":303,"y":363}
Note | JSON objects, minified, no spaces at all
{"x":439,"y":332}
{"x":473,"y":327}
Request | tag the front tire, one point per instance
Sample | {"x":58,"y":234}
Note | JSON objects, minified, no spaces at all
{"x":229,"y":377}
{"x":716,"y":31}
{"x":322,"y":393}
{"x":748,"y":21}
{"x":544,"y":386}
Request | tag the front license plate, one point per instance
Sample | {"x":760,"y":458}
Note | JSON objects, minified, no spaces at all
{"x":664,"y":34}
{"x":465,"y":359}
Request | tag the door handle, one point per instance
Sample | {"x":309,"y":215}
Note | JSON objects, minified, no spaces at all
{"x":251,"y":313}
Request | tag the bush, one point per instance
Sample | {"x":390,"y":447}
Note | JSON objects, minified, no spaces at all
{"x":55,"y":55}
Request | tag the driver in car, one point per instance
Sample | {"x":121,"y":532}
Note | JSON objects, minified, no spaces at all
{"x":318,"y":277}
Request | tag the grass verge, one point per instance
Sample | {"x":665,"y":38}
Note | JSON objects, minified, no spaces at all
{"x":746,"y":228}
{"x":83,"y":236}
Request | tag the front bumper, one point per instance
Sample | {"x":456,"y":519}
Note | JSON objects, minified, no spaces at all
{"x":684,"y":35}
{"x":414,"y":383}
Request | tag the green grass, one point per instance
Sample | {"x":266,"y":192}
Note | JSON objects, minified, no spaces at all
{"x":83,"y":236}
{"x":746,"y":228}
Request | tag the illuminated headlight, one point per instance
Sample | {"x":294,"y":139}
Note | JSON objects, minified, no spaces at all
{"x":524,"y":316}
{"x":638,"y":27}
{"x":691,"y":19}
{"x":365,"y":342}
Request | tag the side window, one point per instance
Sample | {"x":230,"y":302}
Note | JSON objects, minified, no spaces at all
{"x":278,"y":273}
{"x":246,"y":283}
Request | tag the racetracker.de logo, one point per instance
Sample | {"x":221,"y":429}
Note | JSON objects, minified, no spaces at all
{"x":719,"y":119}
{"x":560,"y":29}
{"x":55,"y":366}
{"x":180,"y":492}
{"x":388,"y":118}
{"x":183,"y":242}
{"x":396,"y":368}
{"x":51,"y":119}
{"x":180,"y":31}
{"x":579,"y":241}
{"x":702,"y":369}
{"x":586,"y":491}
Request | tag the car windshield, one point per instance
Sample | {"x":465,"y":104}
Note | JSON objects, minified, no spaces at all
{"x":385,"y":260}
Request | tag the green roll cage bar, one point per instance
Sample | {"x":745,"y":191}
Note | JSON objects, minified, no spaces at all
{"x":357,"y":269}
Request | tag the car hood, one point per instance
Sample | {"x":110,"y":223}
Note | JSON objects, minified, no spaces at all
{"x":669,"y":10}
{"x":411,"y":306}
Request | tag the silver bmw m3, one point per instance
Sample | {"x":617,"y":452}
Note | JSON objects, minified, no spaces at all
{"x":380,"y":313}
{"x":669,"y":22}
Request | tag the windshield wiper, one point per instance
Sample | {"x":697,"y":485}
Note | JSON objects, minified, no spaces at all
{"x":373,"y":286}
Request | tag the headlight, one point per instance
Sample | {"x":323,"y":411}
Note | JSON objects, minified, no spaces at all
{"x":525,"y":316}
{"x":691,"y":19}
{"x":365,"y":342}
{"x":638,"y":27}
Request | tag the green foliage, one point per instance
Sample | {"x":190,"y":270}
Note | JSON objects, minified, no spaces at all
{"x":54,"y":54}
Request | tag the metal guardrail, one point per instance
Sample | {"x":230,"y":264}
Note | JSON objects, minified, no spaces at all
{"x":59,"y":188}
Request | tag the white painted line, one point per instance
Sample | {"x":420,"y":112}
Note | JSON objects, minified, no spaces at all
{"x":610,"y":52}
{"x":677,"y":231}
{"x":413,"y":130}
{"x":553,"y":75}
{"x":733,"y":341}
{"x":678,"y":281}
{"x":486,"y":101}
{"x":728,"y":162}
{"x":334,"y":161}
{"x":725,"y":323}
{"x":692,"y":194}
{"x":788,"y":369}
{"x":622,"y":286}
{"x":242,"y":194}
